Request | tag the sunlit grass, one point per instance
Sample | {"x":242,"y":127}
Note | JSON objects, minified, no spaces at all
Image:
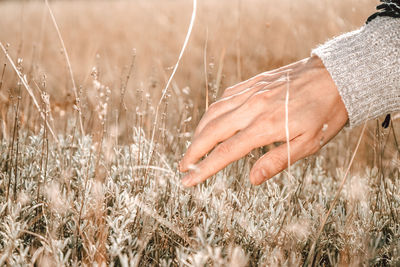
{"x":111,"y":196}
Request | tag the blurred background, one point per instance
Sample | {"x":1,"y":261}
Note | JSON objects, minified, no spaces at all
{"x":231,"y":41}
{"x":81,"y":195}
{"x":122,"y":53}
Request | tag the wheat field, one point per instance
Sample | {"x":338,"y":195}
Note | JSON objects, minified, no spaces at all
{"x":88,"y":172}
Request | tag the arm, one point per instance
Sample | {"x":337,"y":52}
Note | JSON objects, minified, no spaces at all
{"x":351,"y":78}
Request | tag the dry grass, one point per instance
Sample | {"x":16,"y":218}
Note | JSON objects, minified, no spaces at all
{"x":111,"y":197}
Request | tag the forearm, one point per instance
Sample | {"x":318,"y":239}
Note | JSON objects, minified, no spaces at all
{"x":365,"y":66}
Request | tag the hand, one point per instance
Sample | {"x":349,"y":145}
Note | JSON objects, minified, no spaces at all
{"x":253,"y":114}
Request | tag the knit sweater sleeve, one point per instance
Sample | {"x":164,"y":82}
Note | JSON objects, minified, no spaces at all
{"x":365,"y":66}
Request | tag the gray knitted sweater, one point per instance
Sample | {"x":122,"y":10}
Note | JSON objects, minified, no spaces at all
{"x":365,"y":66}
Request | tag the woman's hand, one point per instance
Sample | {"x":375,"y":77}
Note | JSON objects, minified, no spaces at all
{"x":252,"y":114}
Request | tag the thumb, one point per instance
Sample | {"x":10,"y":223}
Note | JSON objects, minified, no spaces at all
{"x":276,"y":160}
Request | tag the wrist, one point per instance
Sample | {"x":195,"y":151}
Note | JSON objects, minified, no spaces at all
{"x":365,"y":68}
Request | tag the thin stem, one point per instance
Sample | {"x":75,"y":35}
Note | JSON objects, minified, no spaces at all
{"x":17,"y":148}
{"x":28,"y":89}
{"x":2,"y":75}
{"x":205,"y":70}
{"x":164,"y":92}
{"x":310,"y":255}
{"x":287,"y":121}
{"x":78,"y":105}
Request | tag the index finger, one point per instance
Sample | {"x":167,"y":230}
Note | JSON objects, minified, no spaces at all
{"x":216,"y":131}
{"x":232,"y":149}
{"x":228,"y":104}
{"x":225,"y":153}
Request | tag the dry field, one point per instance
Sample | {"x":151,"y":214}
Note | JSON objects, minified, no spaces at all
{"x":87,"y":177}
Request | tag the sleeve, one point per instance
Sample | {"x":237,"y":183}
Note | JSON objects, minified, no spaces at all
{"x":365,"y":65}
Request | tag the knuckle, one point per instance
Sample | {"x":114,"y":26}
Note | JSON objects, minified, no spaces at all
{"x":263,"y":96}
{"x":214,"y":106}
{"x":223,"y":148}
{"x":260,"y":84}
{"x":209,"y":128}
{"x":253,"y":102}
{"x":263,"y":128}
{"x":273,"y":118}
{"x":246,"y":134}
{"x":276,"y":117}
{"x":210,"y":169}
{"x":207,"y":168}
{"x":219,"y":106}
{"x":277,"y":162}
{"x":230,"y":90}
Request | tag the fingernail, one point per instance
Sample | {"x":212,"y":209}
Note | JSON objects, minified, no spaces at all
{"x":263,"y":173}
{"x":259,"y":176}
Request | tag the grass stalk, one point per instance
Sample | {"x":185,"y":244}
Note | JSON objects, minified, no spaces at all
{"x":74,"y":88}
{"x":287,"y":122}
{"x":17,"y":126}
{"x":333,"y":204}
{"x":205,"y":70}
{"x":28,"y":89}
{"x":164,"y":92}
{"x":2,"y":76}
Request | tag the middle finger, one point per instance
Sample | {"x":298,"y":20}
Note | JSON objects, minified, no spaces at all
{"x":215,"y":132}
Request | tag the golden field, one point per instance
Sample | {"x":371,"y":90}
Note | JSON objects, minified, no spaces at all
{"x":87,"y":178}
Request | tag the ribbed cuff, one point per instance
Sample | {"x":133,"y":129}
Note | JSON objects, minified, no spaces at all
{"x":365,"y":66}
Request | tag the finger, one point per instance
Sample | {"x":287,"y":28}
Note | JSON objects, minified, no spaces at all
{"x":227,"y":104}
{"x":276,"y":160}
{"x":215,"y":132}
{"x":218,"y":108}
{"x":229,"y":151}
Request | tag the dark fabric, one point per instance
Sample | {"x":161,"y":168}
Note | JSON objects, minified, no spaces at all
{"x":388,"y":8}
